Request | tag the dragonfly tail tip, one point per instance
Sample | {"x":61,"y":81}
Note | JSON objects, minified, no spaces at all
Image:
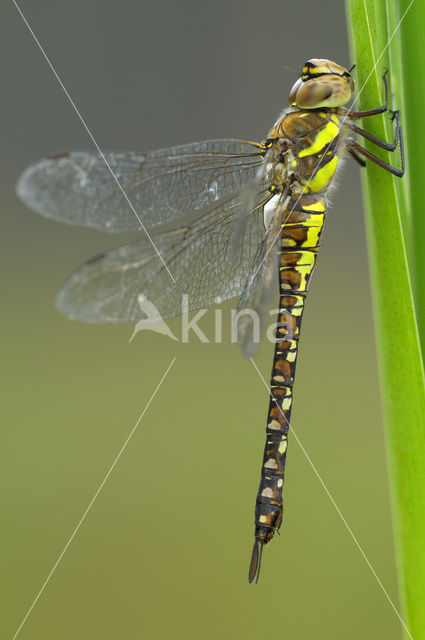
{"x":255,"y":564}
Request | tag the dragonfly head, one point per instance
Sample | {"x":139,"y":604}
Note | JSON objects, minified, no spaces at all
{"x":322,"y":84}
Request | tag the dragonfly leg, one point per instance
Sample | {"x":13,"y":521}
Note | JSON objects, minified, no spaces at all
{"x":356,"y":157}
{"x":381,"y":143}
{"x":373,"y":112}
{"x":356,"y":147}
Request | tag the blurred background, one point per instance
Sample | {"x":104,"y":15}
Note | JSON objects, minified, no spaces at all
{"x":164,"y":551}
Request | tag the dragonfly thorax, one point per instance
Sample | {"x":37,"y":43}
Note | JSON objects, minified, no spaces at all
{"x":305,"y":147}
{"x":305,"y":143}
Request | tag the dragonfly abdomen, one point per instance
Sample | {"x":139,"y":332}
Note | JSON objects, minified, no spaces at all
{"x":302,"y":224}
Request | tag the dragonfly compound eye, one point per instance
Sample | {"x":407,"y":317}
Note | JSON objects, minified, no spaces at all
{"x":323,"y":83}
{"x":328,"y":90}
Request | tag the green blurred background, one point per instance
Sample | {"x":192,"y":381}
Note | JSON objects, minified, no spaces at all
{"x":164,"y":551}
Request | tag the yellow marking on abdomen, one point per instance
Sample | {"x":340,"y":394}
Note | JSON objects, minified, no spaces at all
{"x":267,"y":493}
{"x":303,"y":272}
{"x":274,"y":424}
{"x":311,"y":240}
{"x":286,"y":402}
{"x":304,"y":259}
{"x":283,"y":446}
{"x":291,"y":219}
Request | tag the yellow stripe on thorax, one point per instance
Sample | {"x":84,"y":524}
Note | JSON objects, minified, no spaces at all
{"x":319,"y":205}
{"x":322,"y":177}
{"x":325,"y":135}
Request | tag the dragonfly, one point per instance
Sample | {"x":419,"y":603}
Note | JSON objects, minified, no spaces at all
{"x":220,"y":219}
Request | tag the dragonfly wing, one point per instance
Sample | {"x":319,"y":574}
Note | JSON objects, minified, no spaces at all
{"x":152,"y":188}
{"x":206,"y":263}
{"x":260,"y":287}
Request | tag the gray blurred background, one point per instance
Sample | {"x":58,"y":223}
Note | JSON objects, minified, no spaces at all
{"x":164,"y":551}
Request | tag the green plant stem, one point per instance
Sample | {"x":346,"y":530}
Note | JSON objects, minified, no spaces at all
{"x":412,"y":49}
{"x":396,"y":81}
{"x":400,"y":360}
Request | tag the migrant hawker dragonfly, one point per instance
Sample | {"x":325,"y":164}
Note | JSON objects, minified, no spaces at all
{"x":231,"y":215}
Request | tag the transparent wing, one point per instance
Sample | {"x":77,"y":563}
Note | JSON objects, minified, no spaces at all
{"x":163,"y":185}
{"x":209,"y":265}
{"x":261,"y":286}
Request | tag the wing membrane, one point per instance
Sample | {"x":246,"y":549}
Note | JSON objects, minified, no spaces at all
{"x":162,"y":185}
{"x":206,"y":262}
{"x":261,"y":285}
